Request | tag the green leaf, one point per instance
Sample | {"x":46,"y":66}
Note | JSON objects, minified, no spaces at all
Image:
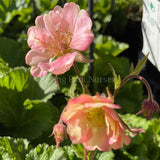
{"x":78,"y":150}
{"x":130,"y":97}
{"x":47,"y":84}
{"x":29,"y":120}
{"x":23,"y":103}
{"x":3,"y":68}
{"x":140,"y":65}
{"x":145,"y":143}
{"x":69,"y":151}
{"x":40,"y":119}
{"x":13,"y":149}
{"x":117,"y":78}
{"x":131,"y":68}
{"x":103,"y":76}
{"x":136,"y":121}
{"x":69,"y":82}
{"x":9,"y":9}
{"x":104,"y":155}
{"x":45,"y":152}
{"x":20,"y":149}
{"x":45,"y":5}
{"x":107,"y":45}
{"x":11,"y":52}
{"x":73,"y":86}
{"x":20,"y":80}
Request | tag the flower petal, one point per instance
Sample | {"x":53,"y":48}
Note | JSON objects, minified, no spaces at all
{"x":81,"y":41}
{"x":116,"y":129}
{"x":62,"y":64}
{"x":33,"y":57}
{"x":83,"y":35}
{"x":80,"y":130}
{"x":37,"y":72}
{"x":70,"y":12}
{"x":77,"y":128}
{"x":74,"y":132}
{"x":38,"y":39}
{"x":121,"y":139}
{"x":53,"y":20}
{"x":72,"y":112}
{"x":100,"y":104}
{"x":84,"y":98}
{"x":102,"y":99}
{"x":40,"y":22}
{"x":44,"y":66}
{"x":83,"y":23}
{"x":99,"y":140}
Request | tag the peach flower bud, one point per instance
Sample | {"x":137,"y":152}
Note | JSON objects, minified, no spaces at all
{"x":59,"y":131}
{"x":149,"y":107}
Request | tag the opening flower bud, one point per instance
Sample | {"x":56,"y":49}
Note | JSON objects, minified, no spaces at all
{"x":149,"y":107}
{"x":59,"y":131}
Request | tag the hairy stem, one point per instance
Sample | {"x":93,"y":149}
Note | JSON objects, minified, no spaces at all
{"x":91,"y":157}
{"x":85,"y":154}
{"x":138,"y":77}
{"x":80,"y":78}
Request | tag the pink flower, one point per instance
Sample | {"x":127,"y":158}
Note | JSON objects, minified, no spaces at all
{"x":149,"y":107}
{"x":57,"y":39}
{"x":92,"y":121}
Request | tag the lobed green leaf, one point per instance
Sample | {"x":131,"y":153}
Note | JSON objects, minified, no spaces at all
{"x":13,"y":149}
{"x":23,"y":103}
{"x":107,"y":45}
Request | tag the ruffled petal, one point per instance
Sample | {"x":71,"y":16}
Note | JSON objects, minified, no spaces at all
{"x":84,"y":98}
{"x":83,"y":24}
{"x":37,"y":72}
{"x":72,"y":112}
{"x":100,"y":104}
{"x":79,"y":134}
{"x":83,"y":36}
{"x":77,"y":127}
{"x":74,"y":132}
{"x":40,"y":22}
{"x":111,"y":113}
{"x":44,"y":66}
{"x":33,"y":57}
{"x":62,"y":64}
{"x":121,"y":139}
{"x":38,"y":39}
{"x":75,"y":106}
{"x":116,"y":130}
{"x":53,"y":21}
{"x":81,"y":41}
{"x":99,"y":140}
{"x":102,"y":99}
{"x":70,"y":13}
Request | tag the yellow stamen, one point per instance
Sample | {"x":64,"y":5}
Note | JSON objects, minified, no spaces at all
{"x":96,"y":116}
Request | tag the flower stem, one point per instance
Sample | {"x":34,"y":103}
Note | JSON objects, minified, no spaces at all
{"x":138,"y":77}
{"x":91,"y":157}
{"x":80,"y":78}
{"x":85,"y":153}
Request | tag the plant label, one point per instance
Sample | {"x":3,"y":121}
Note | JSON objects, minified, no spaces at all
{"x":151,"y":30}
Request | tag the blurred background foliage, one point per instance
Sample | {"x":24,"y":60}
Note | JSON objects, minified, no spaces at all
{"x":29,"y":107}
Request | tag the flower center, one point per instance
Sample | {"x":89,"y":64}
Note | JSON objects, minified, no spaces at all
{"x":61,"y":43}
{"x":96,"y":116}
